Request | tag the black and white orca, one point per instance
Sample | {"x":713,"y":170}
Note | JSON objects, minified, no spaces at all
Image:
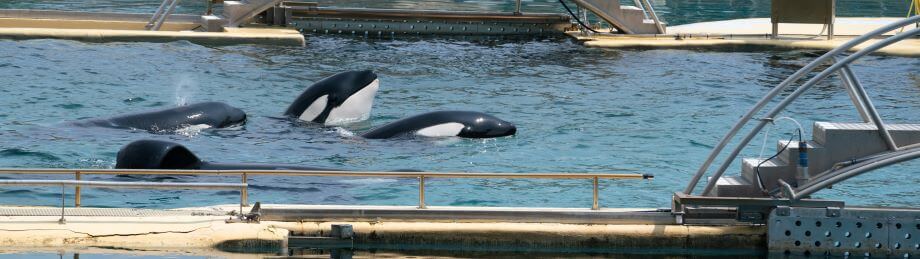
{"x":464,"y":124}
{"x":207,"y":114}
{"x":159,"y":154}
{"x":341,"y":98}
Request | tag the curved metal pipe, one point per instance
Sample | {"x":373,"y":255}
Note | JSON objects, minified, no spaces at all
{"x":782,"y":86}
{"x":799,"y":91}
{"x":848,"y":165}
{"x":895,"y":158}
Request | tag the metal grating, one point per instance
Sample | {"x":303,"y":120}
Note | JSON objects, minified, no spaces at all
{"x":859,"y":232}
{"x":105,"y":212}
{"x":372,"y":27}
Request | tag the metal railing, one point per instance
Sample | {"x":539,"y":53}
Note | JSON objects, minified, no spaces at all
{"x":77,"y":184}
{"x":159,"y":17}
{"x":245,"y":174}
{"x":650,"y":12}
{"x":858,"y":95}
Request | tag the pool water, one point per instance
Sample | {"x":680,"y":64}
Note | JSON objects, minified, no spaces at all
{"x":577,"y":109}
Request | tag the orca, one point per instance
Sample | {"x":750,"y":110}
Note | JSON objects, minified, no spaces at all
{"x":341,"y":98}
{"x":211,"y":114}
{"x":464,"y":124}
{"x":159,"y":154}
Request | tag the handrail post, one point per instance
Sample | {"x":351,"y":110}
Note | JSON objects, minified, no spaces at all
{"x":595,"y":205}
{"x":850,"y":85}
{"x":651,"y":12}
{"x":421,"y":191}
{"x":517,"y":7}
{"x":63,"y":189}
{"x":76,"y":191}
{"x":244,"y":192}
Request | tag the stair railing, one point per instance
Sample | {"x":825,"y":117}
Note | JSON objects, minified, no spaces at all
{"x":159,"y":17}
{"x":650,"y":12}
{"x":852,"y":82}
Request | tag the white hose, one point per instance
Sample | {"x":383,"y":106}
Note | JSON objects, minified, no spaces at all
{"x":766,"y":135}
{"x":801,"y":130}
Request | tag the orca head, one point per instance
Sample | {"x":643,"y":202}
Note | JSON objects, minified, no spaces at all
{"x":464,"y":124}
{"x":341,"y":98}
{"x":232,"y":115}
{"x":156,"y":154}
{"x":481,"y":125}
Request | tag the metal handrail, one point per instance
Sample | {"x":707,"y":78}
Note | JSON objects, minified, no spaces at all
{"x":786,"y":83}
{"x":244,"y":174}
{"x":159,"y":17}
{"x":141,"y":185}
{"x":849,"y":172}
{"x":650,"y":11}
{"x":109,"y":184}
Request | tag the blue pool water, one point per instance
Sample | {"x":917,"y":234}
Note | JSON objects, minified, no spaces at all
{"x":577,"y":110}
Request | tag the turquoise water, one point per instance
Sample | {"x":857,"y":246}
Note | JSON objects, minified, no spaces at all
{"x":577,"y":110}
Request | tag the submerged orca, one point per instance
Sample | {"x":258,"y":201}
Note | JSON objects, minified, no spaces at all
{"x":159,"y":154}
{"x":212,"y":114}
{"x":464,"y":124}
{"x":340,"y":98}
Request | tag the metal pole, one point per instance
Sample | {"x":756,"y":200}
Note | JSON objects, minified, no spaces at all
{"x":849,"y":84}
{"x":244,"y":192}
{"x":63,"y":188}
{"x":813,"y":187}
{"x":421,"y":192}
{"x":870,"y":108}
{"x":517,"y":7}
{"x":162,"y":20}
{"x":651,"y":12}
{"x":76,"y":192}
{"x":156,"y":15}
{"x":595,"y":205}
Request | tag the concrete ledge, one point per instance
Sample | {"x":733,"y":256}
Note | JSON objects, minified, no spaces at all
{"x":296,"y":213}
{"x":909,"y":47}
{"x":287,"y":37}
{"x":193,"y":229}
{"x":137,"y":232}
{"x":536,"y":236}
{"x":754,"y":33}
{"x":77,"y":15}
{"x":91,"y":24}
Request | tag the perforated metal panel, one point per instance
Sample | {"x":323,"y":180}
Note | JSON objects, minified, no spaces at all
{"x":845,"y":232}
